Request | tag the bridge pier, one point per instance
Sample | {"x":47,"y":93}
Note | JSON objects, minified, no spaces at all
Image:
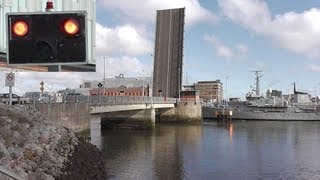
{"x":184,"y":112}
{"x":134,"y":119}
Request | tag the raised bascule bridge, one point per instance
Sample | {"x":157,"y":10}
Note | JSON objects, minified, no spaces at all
{"x":119,"y":111}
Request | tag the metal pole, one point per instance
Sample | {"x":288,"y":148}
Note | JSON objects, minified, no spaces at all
{"x":34,"y":101}
{"x":10,"y":95}
{"x":179,"y":84}
{"x":142,"y":86}
{"x":104,"y":74}
{"x":100,"y":95}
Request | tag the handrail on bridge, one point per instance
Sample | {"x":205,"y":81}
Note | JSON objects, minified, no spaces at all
{"x":112,"y":100}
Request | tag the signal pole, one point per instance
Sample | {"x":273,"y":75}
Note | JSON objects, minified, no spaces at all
{"x":104,"y":75}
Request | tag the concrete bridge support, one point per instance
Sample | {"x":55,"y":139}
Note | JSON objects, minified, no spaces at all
{"x":135,"y":119}
{"x":184,"y":112}
{"x":75,"y":116}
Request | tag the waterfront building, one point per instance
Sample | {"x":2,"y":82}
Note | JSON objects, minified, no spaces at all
{"x":210,"y":91}
{"x":188,"y":87}
{"x":168,"y":53}
{"x":119,"y":84}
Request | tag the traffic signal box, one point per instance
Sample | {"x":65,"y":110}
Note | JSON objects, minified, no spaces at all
{"x":48,"y":38}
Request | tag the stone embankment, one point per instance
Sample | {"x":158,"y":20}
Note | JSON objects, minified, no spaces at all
{"x":34,"y":148}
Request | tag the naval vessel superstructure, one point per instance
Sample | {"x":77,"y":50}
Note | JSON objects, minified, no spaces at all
{"x":295,"y":107}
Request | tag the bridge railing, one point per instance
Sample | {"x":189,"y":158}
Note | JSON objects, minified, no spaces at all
{"x":112,"y":100}
{"x":130,"y":100}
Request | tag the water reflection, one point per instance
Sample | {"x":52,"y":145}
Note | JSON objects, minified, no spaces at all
{"x":168,"y":161}
{"x":241,"y":150}
{"x":230,"y":132}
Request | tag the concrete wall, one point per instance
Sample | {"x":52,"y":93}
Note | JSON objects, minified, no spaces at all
{"x":75,"y":116}
{"x":136,"y":119}
{"x":185,"y":112}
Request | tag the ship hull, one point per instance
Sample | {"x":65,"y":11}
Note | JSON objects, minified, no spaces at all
{"x":209,"y":113}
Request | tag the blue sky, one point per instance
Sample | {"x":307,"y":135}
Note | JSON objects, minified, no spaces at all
{"x":226,"y":38}
{"x":222,"y":38}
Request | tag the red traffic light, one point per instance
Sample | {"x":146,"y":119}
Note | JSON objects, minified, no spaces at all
{"x":20,"y":28}
{"x":70,"y":27}
{"x":47,"y":38}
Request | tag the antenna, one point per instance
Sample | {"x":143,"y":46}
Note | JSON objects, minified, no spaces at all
{"x":258,"y":76}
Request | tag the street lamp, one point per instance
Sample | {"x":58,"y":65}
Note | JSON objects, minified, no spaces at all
{"x":226,"y":95}
{"x":179,"y":83}
{"x":142,"y":83}
{"x":104,"y":75}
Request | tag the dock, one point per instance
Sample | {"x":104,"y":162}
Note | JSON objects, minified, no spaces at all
{"x":224,"y":115}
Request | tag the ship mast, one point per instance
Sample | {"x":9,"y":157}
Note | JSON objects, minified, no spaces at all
{"x":258,"y":76}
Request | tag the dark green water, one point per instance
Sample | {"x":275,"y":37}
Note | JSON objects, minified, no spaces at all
{"x":243,"y":150}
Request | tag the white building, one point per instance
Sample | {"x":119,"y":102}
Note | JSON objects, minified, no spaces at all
{"x":89,"y":6}
{"x":119,"y":81}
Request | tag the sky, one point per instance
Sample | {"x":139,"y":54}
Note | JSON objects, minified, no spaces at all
{"x":224,"y":39}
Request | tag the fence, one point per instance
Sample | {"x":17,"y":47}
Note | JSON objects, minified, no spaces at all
{"x":112,"y":100}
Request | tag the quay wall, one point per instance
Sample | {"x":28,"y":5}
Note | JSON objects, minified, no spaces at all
{"x":75,"y":116}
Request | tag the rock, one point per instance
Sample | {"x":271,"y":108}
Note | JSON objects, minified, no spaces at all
{"x":35,"y":148}
{"x":85,"y":163}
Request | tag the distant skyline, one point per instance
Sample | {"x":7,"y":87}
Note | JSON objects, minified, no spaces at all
{"x":222,"y":38}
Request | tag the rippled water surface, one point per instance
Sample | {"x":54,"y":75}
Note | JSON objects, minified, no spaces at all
{"x":242,"y":150}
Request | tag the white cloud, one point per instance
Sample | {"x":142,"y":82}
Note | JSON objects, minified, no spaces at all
{"x":250,"y":13}
{"x":145,"y":10}
{"x":121,"y":40}
{"x":242,"y":48}
{"x":313,"y":68}
{"x":225,"y":51}
{"x":129,"y":66}
{"x":297,"y":32}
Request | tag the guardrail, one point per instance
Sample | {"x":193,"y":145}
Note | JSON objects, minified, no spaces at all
{"x":112,"y":100}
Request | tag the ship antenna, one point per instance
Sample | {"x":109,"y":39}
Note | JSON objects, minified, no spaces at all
{"x":258,"y":76}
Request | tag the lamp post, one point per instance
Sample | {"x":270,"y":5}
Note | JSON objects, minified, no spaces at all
{"x":227,"y":77}
{"x":179,"y":83}
{"x":104,"y":75}
{"x":142,"y":83}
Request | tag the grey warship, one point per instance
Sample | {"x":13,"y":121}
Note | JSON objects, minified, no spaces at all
{"x":295,"y":107}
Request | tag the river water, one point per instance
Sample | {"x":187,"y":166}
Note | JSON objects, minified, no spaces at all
{"x":242,"y":150}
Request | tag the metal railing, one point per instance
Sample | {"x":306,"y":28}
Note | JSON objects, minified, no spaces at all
{"x":108,"y":100}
